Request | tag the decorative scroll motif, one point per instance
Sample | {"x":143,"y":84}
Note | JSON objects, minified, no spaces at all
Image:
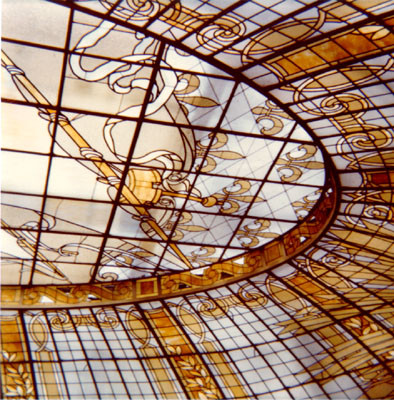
{"x":220,"y":140}
{"x":152,"y":176}
{"x":298,"y":162}
{"x":354,"y":243}
{"x":346,"y":111}
{"x":123,"y":260}
{"x":62,"y":321}
{"x":141,"y":184}
{"x":196,"y":376}
{"x":270,"y":117}
{"x":215,"y":35}
{"x":284,"y":35}
{"x":361,"y":236}
{"x":146,"y":165}
{"x":371,"y":137}
{"x":221,"y":33}
{"x":116,"y":261}
{"x":126,"y":77}
{"x":378,"y":207}
{"x":350,"y":248}
{"x":154,"y":323}
{"x":27,"y":242}
{"x":248,"y":296}
{"x":137,"y":10}
{"x":104,"y":168}
{"x":249,"y":234}
{"x":295,"y":31}
{"x":158,"y":168}
{"x":342,"y":78}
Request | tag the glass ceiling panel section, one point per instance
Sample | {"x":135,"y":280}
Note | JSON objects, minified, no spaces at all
{"x":364,"y":40}
{"x":51,"y":31}
{"x":128,"y":158}
{"x":309,"y":23}
{"x":141,"y":164}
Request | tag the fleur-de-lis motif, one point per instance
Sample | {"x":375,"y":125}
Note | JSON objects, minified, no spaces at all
{"x":304,"y":206}
{"x":220,"y":141}
{"x":187,"y":84}
{"x":249,"y":234}
{"x":203,"y":256}
{"x":296,"y":163}
{"x":233,"y":195}
{"x":182,"y":225}
{"x":270,"y":115}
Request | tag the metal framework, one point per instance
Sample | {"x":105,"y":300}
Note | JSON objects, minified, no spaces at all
{"x":197,"y":199}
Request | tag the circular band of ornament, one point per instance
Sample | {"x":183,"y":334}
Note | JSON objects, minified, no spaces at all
{"x":250,"y":264}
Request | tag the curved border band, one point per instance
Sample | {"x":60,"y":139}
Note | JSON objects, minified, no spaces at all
{"x":249,"y":264}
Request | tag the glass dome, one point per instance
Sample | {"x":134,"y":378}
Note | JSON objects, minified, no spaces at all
{"x":196,"y":199}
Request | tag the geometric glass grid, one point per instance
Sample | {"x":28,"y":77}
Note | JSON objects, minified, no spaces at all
{"x":173,"y":161}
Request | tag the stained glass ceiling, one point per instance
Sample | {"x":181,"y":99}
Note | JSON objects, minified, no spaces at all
{"x":204,"y":183}
{"x":151,"y":160}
